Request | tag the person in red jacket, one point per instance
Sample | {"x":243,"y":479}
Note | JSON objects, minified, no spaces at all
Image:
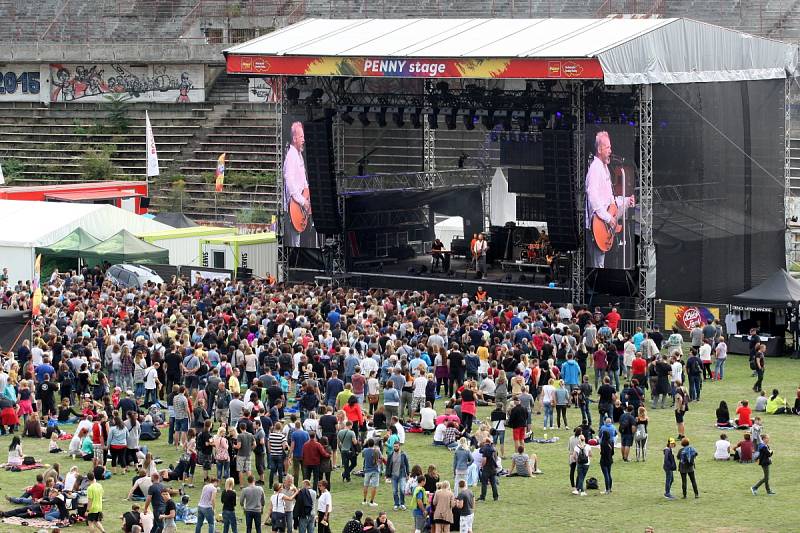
{"x":313,"y":453}
{"x":613,"y":318}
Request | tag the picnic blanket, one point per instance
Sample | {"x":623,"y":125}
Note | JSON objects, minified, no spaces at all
{"x":39,"y":523}
{"x":542,"y":441}
{"x":22,"y":468}
{"x":65,"y":436}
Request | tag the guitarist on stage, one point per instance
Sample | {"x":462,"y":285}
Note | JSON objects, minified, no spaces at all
{"x":295,"y":184}
{"x":600,"y":197}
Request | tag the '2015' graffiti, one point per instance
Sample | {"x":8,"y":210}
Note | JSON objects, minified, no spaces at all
{"x":82,"y":82}
{"x":27,"y":82}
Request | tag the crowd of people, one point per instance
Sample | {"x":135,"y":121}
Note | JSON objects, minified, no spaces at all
{"x":275,"y":388}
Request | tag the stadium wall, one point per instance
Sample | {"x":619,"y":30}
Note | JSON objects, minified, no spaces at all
{"x":91,"y":82}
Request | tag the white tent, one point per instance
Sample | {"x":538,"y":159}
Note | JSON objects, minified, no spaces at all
{"x":26,"y":225}
{"x":448,"y":229}
{"x":629,"y":50}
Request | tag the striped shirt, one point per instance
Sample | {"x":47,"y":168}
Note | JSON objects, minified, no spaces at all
{"x":276,"y":443}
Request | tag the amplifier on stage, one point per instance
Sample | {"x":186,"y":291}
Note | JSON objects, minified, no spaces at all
{"x":459,"y":246}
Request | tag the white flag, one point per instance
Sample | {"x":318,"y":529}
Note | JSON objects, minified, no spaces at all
{"x":152,"y":155}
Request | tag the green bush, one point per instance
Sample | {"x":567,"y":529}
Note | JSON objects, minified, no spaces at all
{"x":12,"y":169}
{"x":118,"y":108}
{"x":253,"y":216}
{"x":96,"y":165}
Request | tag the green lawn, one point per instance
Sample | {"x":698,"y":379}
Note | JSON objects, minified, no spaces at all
{"x":546,"y":502}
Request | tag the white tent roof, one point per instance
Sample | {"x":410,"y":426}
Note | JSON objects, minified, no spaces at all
{"x":630,"y":51}
{"x":29,"y":224}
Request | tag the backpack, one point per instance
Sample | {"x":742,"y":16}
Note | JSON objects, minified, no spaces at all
{"x":304,"y":504}
{"x":625,"y":423}
{"x":687,"y":456}
{"x":591,"y":483}
{"x":641,"y":433}
{"x":582,"y":457}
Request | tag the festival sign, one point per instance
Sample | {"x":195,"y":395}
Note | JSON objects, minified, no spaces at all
{"x":686,"y":317}
{"x":486,"y":68}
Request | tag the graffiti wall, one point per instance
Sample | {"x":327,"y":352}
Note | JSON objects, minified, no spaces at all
{"x":263,"y":90}
{"x":22,"y":83}
{"x":89,"y":82}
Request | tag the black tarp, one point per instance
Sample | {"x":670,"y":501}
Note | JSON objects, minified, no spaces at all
{"x":15,"y":327}
{"x":175,"y":220}
{"x":718,"y":187}
{"x":777,"y":290}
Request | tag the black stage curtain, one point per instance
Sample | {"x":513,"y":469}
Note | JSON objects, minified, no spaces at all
{"x":717,"y":187}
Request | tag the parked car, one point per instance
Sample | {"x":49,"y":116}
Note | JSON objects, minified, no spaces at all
{"x":134,"y":276}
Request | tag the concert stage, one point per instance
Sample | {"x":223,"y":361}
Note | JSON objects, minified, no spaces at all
{"x":509,"y":125}
{"x":398,"y":276}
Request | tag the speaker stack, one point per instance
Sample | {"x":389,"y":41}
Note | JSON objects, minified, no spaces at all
{"x":321,"y":177}
{"x":561,"y":211}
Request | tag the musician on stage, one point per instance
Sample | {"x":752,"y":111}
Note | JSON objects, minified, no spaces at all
{"x":436,"y":254}
{"x":479,"y":250}
{"x":295,"y":184}
{"x":600,"y":196}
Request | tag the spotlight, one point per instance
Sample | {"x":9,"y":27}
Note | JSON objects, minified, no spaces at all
{"x":469,"y":120}
{"x":415,"y":118}
{"x":488,"y":119}
{"x":315,"y":97}
{"x":380,"y":115}
{"x":293,"y":95}
{"x":397,"y":116}
{"x":433,"y":118}
{"x":363,"y":117}
{"x":523,"y":120}
{"x":450,"y":118}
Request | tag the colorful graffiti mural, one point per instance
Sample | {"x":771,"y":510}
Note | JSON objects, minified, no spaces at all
{"x":162,"y":83}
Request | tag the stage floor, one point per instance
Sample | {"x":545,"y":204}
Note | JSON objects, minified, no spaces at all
{"x":398,"y":276}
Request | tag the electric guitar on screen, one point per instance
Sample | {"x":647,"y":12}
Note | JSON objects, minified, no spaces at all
{"x":603,"y":234}
{"x":298,"y":214}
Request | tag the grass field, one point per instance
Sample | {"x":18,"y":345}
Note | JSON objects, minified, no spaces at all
{"x":545,"y":502}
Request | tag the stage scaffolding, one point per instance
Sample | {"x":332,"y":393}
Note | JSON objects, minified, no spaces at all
{"x":645,"y":300}
{"x":430,"y":178}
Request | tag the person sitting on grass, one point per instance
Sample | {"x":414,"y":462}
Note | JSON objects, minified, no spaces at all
{"x":722,"y":448}
{"x":761,"y":402}
{"x":524,"y":465}
{"x":776,"y":405}
{"x":724,"y":416}
{"x":743,"y":413}
{"x":743,"y":451}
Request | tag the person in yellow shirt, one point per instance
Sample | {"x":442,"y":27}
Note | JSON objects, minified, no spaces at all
{"x":233,"y":381}
{"x":94,"y":511}
{"x":342,"y":397}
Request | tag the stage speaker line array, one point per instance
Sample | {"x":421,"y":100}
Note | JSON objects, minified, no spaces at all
{"x":561,"y":206}
{"x":321,"y":177}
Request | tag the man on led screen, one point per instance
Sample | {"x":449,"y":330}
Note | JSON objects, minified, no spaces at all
{"x":601,"y":203}
{"x":298,"y":227}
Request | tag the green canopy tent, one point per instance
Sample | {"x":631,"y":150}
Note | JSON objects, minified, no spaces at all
{"x":64,"y":254}
{"x":125,"y":247}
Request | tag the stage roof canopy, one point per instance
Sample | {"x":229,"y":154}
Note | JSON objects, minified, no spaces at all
{"x":621,"y":51}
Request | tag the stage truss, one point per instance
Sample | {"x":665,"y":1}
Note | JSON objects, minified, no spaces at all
{"x":645,"y":301}
{"x":578,"y":274}
{"x":280,"y":110}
